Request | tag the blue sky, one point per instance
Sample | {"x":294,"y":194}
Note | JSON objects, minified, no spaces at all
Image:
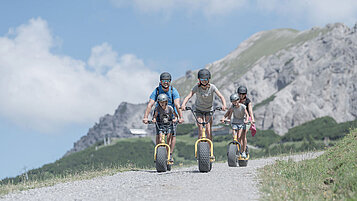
{"x":64,"y":64}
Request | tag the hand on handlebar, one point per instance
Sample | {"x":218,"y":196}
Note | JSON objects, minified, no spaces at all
{"x":174,"y":120}
{"x":224,"y":108}
{"x":153,"y":120}
{"x":181,"y":120}
{"x":145,"y":120}
{"x":183,"y":107}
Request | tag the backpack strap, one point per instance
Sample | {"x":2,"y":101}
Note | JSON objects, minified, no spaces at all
{"x":157,"y":93}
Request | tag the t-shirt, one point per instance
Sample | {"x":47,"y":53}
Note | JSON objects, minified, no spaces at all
{"x":204,"y":97}
{"x":164,"y":115}
{"x":175,"y":95}
{"x":238,"y":113}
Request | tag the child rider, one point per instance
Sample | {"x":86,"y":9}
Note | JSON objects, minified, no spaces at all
{"x":164,"y":114}
{"x":240,"y":119}
{"x":204,"y":91}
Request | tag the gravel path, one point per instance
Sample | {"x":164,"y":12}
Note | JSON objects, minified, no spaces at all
{"x":222,"y":183}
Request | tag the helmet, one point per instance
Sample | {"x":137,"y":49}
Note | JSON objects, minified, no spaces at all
{"x":162,"y":98}
{"x":242,"y":90}
{"x":204,"y":73}
{"x":234,"y":97}
{"x":165,"y":76}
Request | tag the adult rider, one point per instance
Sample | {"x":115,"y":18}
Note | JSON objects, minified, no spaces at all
{"x":173,"y":100}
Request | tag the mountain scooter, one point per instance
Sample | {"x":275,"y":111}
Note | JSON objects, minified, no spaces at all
{"x":162,"y":150}
{"x":204,"y":146}
{"x":234,"y":152}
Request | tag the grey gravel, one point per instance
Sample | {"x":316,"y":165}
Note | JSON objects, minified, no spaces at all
{"x":222,"y":183}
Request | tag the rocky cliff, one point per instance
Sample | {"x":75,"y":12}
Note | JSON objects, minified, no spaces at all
{"x":292,"y":77}
{"x":125,"y":117}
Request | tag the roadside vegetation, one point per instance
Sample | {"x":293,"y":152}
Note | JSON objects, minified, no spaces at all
{"x":332,"y":176}
{"x":137,"y":153}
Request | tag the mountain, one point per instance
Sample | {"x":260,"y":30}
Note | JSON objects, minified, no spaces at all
{"x":125,"y":117}
{"x":292,"y":77}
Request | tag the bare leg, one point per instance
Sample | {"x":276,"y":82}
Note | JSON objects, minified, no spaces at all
{"x":199,"y":119}
{"x":173,"y":142}
{"x":240,"y":138}
{"x":244,"y":140}
{"x":157,"y":139}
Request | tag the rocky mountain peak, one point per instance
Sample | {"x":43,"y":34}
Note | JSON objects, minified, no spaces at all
{"x":292,"y":77}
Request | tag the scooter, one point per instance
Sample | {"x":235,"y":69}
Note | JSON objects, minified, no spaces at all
{"x":162,"y":150}
{"x":234,"y":157}
{"x":204,"y":146}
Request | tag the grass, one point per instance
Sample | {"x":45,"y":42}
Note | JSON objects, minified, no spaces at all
{"x":137,"y":153}
{"x":332,"y":176}
{"x":11,"y":187}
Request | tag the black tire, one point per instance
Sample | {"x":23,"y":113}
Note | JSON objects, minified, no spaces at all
{"x":243,"y":163}
{"x":232,"y":155}
{"x":203,"y":156}
{"x":161,"y":159}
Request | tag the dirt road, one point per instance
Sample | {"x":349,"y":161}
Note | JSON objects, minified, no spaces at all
{"x":222,"y":183}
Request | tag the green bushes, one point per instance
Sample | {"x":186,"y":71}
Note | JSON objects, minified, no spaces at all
{"x":320,"y":128}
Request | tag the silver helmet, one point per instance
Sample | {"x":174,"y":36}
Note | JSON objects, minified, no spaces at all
{"x":162,"y":98}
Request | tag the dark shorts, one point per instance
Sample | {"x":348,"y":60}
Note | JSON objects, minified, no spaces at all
{"x":200,"y":113}
{"x":171,"y":129}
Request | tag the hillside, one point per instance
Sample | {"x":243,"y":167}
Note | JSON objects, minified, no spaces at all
{"x":137,"y":153}
{"x":331,"y":176}
{"x":292,"y":77}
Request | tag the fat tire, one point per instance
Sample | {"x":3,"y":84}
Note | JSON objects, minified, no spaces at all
{"x":232,"y":155}
{"x":161,"y":159}
{"x":203,"y":155}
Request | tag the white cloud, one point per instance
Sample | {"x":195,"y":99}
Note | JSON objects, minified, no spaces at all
{"x":44,"y":91}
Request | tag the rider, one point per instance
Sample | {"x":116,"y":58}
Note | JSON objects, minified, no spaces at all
{"x":204,"y":100}
{"x":240,"y":119}
{"x":163,"y":114}
{"x":242,"y":91}
{"x":173,"y":100}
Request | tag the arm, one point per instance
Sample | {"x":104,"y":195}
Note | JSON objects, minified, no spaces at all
{"x":154,"y":116}
{"x":175,"y":116}
{"x":147,"y":111}
{"x":228,"y":114}
{"x":250,"y":108}
{"x":179,"y":111}
{"x":224,"y":107}
{"x":183,"y":106}
{"x":246,"y":116}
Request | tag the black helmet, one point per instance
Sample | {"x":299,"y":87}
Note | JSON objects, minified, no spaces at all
{"x":162,"y":97}
{"x":204,"y":74}
{"x":165,"y":76}
{"x":242,"y":90}
{"x":234,"y":97}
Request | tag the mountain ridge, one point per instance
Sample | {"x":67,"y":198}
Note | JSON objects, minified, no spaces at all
{"x":293,"y":76}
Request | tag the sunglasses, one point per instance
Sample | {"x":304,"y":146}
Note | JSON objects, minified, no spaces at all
{"x":165,"y":80}
{"x":204,"y":79}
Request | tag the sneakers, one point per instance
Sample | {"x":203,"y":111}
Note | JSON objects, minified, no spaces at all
{"x":244,"y":155}
{"x":171,"y":159}
{"x":212,"y":158}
